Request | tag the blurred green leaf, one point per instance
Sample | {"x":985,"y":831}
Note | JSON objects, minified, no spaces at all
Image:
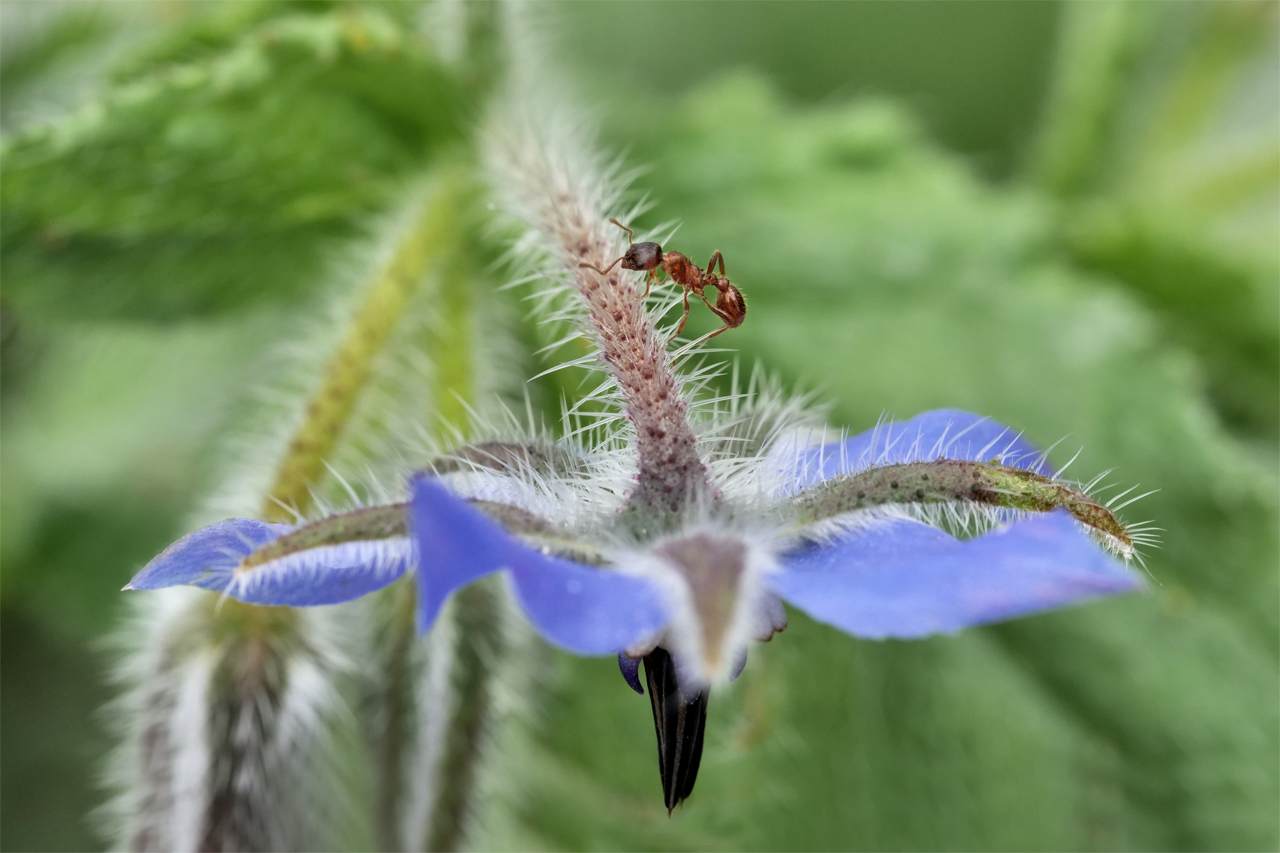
{"x":65,"y":35}
{"x":208,"y":184}
{"x":1162,"y":137}
{"x":102,"y":452}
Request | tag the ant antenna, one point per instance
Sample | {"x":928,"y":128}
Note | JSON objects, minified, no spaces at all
{"x":631,"y":239}
{"x":631,"y":235}
{"x":597,"y":269}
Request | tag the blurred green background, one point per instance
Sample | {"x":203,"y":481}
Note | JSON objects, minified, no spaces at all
{"x":1064,"y":216}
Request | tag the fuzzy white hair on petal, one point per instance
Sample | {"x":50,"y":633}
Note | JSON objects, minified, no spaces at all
{"x":699,"y":569}
{"x":380,"y":560}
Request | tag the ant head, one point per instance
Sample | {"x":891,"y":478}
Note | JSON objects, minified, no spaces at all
{"x":642,"y":256}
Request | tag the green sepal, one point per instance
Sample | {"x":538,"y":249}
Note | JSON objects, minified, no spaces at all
{"x":957,"y":481}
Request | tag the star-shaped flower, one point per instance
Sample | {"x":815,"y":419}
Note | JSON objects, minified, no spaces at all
{"x":848,"y":532}
{"x":673,"y":535}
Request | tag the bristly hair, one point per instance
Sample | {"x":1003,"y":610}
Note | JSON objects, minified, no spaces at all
{"x":226,"y":740}
{"x":794,"y":460}
{"x":548,"y":183}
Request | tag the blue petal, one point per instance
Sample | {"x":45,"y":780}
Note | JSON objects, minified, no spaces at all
{"x":949,"y":433}
{"x":328,"y":574}
{"x":904,"y":579}
{"x":456,"y":545}
{"x":208,"y":557}
{"x":583,"y":609}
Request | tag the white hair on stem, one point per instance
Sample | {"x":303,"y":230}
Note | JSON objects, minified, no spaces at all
{"x":547,"y":180}
{"x":224,"y":738}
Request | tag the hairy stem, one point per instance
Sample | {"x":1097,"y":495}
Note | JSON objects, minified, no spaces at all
{"x":477,"y":637}
{"x":480,"y":646}
{"x":348,"y":372}
{"x":671,"y":474}
{"x":560,"y":193}
{"x":235,"y":819}
{"x":393,"y":716}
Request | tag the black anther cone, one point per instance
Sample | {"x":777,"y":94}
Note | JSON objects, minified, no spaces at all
{"x":680,"y":723}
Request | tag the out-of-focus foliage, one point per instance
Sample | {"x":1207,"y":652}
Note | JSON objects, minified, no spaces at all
{"x":216,"y":175}
{"x":1121,"y":292}
{"x":1167,"y":161}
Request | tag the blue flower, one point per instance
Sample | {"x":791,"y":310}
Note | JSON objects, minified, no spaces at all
{"x":882,"y":574}
{"x":850,"y":532}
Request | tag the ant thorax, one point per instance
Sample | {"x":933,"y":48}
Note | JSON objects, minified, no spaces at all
{"x":682,"y":270}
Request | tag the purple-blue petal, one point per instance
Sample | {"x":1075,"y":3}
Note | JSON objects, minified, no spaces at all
{"x":949,"y":433}
{"x":631,"y":672}
{"x":580,"y":608}
{"x":328,"y":574}
{"x":904,"y":579}
{"x":456,"y":545}
{"x":583,"y":609}
{"x":208,"y":557}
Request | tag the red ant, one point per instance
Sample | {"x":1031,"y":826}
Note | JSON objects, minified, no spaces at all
{"x":730,"y":305}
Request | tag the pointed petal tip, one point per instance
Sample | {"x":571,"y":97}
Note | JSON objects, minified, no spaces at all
{"x":208,"y":556}
{"x":630,"y":671}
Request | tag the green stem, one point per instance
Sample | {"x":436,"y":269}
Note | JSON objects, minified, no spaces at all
{"x":331,"y":406}
{"x":480,"y":646}
{"x":476,"y":610}
{"x":389,"y":742}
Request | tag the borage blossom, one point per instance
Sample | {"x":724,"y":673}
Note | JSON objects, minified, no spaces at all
{"x":671,"y":532}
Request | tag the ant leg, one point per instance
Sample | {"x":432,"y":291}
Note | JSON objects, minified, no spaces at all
{"x":708,"y":336}
{"x":713,"y":308}
{"x":631,"y":235}
{"x":648,"y":283}
{"x":604,"y":271}
{"x":716,"y":258}
{"x":685,"y":318}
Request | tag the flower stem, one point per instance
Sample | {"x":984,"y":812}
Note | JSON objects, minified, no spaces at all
{"x":390,"y":739}
{"x":478,"y":650}
{"x":564,"y":195}
{"x":671,"y":473}
{"x":477,"y":646}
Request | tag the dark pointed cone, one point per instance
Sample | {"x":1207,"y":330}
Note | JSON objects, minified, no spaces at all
{"x":680,"y":722}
